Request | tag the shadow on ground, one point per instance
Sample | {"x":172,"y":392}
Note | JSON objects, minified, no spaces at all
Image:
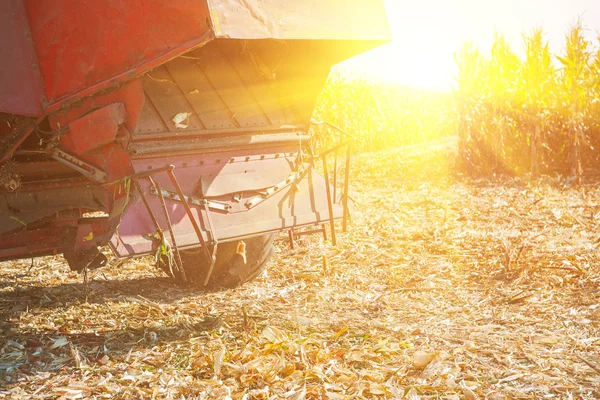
{"x":146,"y":301}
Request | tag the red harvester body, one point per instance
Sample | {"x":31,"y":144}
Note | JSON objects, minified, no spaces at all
{"x":138,"y":123}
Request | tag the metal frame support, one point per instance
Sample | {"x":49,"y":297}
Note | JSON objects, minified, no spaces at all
{"x":329,"y":201}
{"x":178,"y":259}
{"x":159,"y":230}
{"x":346,"y":194}
{"x":215,"y":244}
{"x":348,"y":144}
{"x":78,"y":165}
{"x":335,"y":174}
{"x":293,"y":234}
{"x":210,"y":255}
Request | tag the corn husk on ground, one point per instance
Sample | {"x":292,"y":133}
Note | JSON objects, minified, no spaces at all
{"x":444,"y":288}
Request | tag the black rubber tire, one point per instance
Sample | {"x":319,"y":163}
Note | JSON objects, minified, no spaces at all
{"x":230,"y":270}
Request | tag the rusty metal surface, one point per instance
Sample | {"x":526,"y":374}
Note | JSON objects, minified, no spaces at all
{"x":80,"y":166}
{"x":233,"y":91}
{"x":130,"y":94}
{"x":201,"y":94}
{"x":48,"y":236}
{"x":18,"y":133}
{"x":111,"y":158}
{"x":228,"y":88}
{"x":167,"y":99}
{"x":306,"y":19}
{"x":184,"y":146}
{"x":19,"y":209}
{"x":95,"y":129}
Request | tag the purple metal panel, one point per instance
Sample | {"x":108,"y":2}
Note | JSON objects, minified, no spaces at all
{"x":293,"y":207}
{"x":243,"y":176}
{"x":20,"y":83}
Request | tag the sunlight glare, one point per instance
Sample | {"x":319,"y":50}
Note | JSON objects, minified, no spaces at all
{"x":426,"y":34}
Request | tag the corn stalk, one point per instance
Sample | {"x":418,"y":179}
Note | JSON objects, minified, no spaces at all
{"x":576,"y":78}
{"x":538,"y":77}
{"x":528,"y":116}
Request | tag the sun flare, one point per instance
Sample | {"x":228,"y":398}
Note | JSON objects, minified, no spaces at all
{"x":427,"y":34}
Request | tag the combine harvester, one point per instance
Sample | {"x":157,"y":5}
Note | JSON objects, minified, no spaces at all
{"x":177,"y":128}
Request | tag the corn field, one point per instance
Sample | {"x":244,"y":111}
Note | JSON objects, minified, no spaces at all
{"x":537,"y":115}
{"x":534,"y":114}
{"x":383,"y":115}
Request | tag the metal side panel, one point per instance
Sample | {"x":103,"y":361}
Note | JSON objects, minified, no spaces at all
{"x":168,"y":100}
{"x":201,"y":95}
{"x":227,"y":83}
{"x":86,"y":46}
{"x":20,"y":83}
{"x":82,"y":47}
{"x":259,"y":84}
{"x":21,"y":208}
{"x":221,"y":87}
{"x":150,"y":121}
{"x":231,"y":183}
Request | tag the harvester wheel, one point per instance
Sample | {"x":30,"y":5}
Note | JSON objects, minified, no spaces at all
{"x":230,"y":271}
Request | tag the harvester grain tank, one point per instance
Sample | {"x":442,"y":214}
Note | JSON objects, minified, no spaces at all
{"x":172,"y":128}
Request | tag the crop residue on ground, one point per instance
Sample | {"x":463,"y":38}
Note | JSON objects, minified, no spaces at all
{"x":443,"y":288}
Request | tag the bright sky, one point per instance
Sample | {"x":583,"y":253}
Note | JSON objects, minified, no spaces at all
{"x":426,"y":34}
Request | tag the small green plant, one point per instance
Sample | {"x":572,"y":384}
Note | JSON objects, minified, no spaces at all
{"x":164,"y":252}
